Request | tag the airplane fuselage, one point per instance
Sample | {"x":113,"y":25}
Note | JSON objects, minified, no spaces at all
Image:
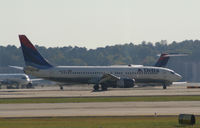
{"x":21,"y":79}
{"x":92,"y":74}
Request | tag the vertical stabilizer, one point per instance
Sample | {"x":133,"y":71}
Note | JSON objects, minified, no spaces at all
{"x":31,"y":56}
{"x":163,"y":60}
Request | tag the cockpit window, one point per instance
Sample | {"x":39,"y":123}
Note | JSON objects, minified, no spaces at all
{"x":172,"y":72}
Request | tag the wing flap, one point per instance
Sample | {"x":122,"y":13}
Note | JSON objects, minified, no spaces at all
{"x":108,"y":77}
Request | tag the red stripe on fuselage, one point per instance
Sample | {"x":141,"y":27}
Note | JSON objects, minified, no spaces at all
{"x":25,"y":41}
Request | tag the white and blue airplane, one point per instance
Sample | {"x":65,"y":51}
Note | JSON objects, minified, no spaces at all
{"x":18,"y":79}
{"x":125,"y":76}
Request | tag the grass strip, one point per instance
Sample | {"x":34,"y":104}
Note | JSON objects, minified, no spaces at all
{"x":95,"y":122}
{"x":99,"y":99}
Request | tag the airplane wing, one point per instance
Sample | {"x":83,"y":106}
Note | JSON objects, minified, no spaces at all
{"x":108,"y":77}
{"x":16,"y":67}
{"x":36,"y":79}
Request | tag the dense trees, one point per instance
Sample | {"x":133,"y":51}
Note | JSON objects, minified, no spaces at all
{"x":144,"y":53}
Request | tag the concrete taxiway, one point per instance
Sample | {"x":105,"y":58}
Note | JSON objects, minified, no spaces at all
{"x":100,"y":109}
{"x":79,"y":91}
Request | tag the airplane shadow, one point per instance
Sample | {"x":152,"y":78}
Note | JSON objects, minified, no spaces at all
{"x":99,"y":90}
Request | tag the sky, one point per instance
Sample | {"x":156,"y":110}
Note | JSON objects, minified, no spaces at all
{"x":98,"y":23}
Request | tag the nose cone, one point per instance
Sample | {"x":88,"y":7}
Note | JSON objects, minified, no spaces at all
{"x":28,"y":80}
{"x":177,"y":77}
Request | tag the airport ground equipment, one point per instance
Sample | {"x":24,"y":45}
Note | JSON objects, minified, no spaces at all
{"x":187,"y":119}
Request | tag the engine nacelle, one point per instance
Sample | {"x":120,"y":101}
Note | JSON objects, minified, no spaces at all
{"x":125,"y":83}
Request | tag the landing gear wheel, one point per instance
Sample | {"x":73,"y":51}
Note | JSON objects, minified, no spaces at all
{"x":96,"y":87}
{"x":164,"y":86}
{"x":29,"y":85}
{"x":104,"y":88}
{"x":61,"y":87}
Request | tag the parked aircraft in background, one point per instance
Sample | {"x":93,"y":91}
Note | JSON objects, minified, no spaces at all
{"x":106,"y":76}
{"x":161,"y":62}
{"x":164,"y":58}
{"x":15,"y":79}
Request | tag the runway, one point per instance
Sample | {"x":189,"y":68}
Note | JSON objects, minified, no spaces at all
{"x":79,"y":91}
{"x":99,"y":109}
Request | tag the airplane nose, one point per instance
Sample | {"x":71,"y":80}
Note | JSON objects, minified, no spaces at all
{"x":178,"y":77}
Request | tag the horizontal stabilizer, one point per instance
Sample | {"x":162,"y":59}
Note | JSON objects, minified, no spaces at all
{"x":164,"y":58}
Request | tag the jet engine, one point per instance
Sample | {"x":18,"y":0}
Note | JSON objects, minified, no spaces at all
{"x":125,"y":83}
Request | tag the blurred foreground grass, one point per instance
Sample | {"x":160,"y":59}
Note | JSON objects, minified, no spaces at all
{"x":95,"y":122}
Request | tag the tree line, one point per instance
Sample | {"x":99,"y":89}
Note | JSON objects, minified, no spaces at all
{"x":143,"y":54}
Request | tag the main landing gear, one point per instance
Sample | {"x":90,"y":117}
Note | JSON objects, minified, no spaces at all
{"x":96,"y":87}
{"x":29,"y":85}
{"x":103,"y":87}
{"x":164,"y":86}
{"x":61,"y":87}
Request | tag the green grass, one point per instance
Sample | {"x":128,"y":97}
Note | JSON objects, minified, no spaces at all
{"x":100,"y":99}
{"x":95,"y":122}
